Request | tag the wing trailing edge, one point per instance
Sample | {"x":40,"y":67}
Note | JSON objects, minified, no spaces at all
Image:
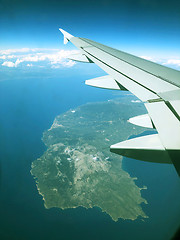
{"x":142,"y":120}
{"x":106,"y":82}
{"x":80,"y":58}
{"x":147,"y":148}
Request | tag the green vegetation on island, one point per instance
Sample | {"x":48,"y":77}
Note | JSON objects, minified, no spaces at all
{"x":79,"y":170}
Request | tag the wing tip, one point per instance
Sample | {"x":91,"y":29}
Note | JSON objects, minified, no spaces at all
{"x":67,"y":36}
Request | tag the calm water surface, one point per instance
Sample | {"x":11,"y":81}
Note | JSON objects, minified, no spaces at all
{"x":27,"y":108}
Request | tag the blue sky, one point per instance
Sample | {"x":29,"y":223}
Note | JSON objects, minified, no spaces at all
{"x":142,"y":27}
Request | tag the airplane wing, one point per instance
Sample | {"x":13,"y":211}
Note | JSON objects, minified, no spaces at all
{"x":155,"y":85}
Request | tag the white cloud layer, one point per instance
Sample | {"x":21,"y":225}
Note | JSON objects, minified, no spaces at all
{"x":147,"y":58}
{"x":9,"y":64}
{"x":10,"y":51}
{"x":174,"y":62}
{"x":55,"y":58}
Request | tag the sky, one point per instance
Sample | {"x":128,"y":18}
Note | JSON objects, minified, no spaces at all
{"x":145,"y":28}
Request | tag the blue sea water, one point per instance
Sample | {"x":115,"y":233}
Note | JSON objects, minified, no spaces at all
{"x":27,"y":108}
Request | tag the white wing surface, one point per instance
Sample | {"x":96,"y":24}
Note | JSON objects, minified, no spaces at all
{"x":156,"y":85}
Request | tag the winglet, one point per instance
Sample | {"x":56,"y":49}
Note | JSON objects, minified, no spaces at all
{"x":67,"y":36}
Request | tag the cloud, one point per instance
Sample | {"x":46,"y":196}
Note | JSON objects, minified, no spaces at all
{"x":148,"y":58}
{"x":12,"y":64}
{"x":8,"y":64}
{"x":135,"y":101}
{"x":175,"y":62}
{"x":10,"y":51}
{"x":25,"y":50}
{"x":7,"y":57}
{"x":168,"y":62}
{"x":3,"y":57}
{"x":29,"y":65}
{"x":69,"y":63}
{"x":55,"y":58}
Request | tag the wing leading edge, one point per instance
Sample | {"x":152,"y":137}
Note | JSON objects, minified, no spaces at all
{"x":156,"y":85}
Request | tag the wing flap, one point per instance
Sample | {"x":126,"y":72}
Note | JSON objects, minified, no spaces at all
{"x":142,"y":120}
{"x":147,"y":148}
{"x":166,"y":123}
{"x":103,"y":82}
{"x":79,"y":58}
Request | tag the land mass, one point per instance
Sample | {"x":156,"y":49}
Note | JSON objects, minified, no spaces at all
{"x":78,"y":169}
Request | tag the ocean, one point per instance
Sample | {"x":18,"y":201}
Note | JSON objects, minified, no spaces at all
{"x":27,"y":108}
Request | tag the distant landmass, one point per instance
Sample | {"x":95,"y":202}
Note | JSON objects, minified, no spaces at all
{"x":79,"y":170}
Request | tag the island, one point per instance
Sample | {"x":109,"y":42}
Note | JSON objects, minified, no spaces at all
{"x":78,"y":169}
